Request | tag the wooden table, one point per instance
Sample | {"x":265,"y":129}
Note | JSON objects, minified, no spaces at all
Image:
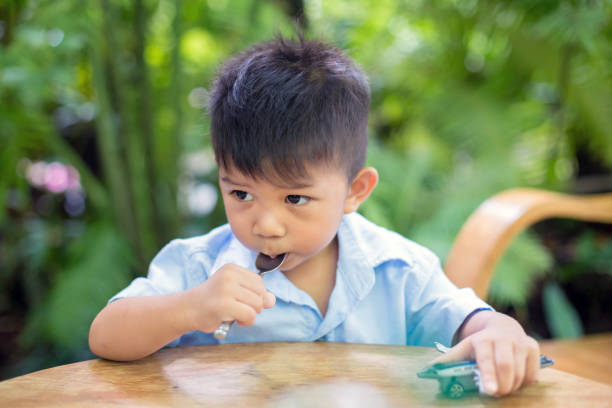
{"x":275,"y":375}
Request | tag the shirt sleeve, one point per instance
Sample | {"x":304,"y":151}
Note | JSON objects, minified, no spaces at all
{"x":168,"y":273}
{"x":437,"y":308}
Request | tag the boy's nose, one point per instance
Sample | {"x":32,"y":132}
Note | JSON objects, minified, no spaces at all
{"x":269,"y":226}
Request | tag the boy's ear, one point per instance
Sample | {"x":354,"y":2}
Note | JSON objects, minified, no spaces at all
{"x":361,"y":187}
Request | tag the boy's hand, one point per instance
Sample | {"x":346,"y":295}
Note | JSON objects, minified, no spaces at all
{"x":232,"y":293}
{"x":506,"y":357}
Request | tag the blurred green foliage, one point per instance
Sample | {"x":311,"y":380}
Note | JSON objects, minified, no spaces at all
{"x":468,"y":98}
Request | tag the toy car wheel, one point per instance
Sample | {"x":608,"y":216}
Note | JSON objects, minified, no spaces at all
{"x":455,"y":390}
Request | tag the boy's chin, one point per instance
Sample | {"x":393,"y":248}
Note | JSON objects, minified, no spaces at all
{"x":289,"y":263}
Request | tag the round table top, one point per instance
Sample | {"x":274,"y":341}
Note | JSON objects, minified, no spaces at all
{"x":275,"y":375}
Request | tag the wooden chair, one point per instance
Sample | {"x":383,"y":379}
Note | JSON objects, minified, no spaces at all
{"x":488,"y":231}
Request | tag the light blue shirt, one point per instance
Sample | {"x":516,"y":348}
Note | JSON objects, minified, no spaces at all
{"x":389,"y":290}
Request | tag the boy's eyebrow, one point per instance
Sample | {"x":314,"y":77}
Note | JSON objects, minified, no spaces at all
{"x":230,"y":181}
{"x":296,"y":185}
{"x":288,"y":186}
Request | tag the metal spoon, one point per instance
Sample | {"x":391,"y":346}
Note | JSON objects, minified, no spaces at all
{"x":264,"y":264}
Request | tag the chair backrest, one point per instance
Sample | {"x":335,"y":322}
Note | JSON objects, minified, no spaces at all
{"x":488,"y":231}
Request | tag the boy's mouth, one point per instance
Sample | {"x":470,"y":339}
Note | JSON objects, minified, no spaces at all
{"x":272,"y":255}
{"x":267,"y":263}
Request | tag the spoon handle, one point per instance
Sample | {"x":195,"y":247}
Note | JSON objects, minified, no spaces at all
{"x":221,"y":332}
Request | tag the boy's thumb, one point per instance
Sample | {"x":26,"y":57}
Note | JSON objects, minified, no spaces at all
{"x":461,"y":351}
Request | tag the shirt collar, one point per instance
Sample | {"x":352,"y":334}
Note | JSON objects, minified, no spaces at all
{"x":235,"y":253}
{"x":354,"y":262}
{"x":363,"y":246}
{"x":375,"y":244}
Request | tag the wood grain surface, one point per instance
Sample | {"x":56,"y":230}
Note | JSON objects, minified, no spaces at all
{"x":276,"y":375}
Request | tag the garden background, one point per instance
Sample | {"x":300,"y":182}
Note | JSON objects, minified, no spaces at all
{"x":105,"y":153}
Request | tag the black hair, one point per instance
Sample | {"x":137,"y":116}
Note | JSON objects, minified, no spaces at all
{"x":284,"y":104}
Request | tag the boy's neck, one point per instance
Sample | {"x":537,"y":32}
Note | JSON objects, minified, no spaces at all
{"x":317,"y":276}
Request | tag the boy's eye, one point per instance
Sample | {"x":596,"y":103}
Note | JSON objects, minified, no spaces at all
{"x":296,"y":199}
{"x":241,"y":195}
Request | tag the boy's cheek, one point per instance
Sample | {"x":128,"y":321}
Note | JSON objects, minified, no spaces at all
{"x":239,"y":230}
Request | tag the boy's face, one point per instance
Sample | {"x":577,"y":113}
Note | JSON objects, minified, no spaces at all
{"x":299,"y":220}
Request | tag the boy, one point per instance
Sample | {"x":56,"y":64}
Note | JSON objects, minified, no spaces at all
{"x":289,"y":127}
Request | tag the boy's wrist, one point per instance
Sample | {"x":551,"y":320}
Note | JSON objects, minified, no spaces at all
{"x":491,"y":320}
{"x":459,"y":332}
{"x":182,"y":320}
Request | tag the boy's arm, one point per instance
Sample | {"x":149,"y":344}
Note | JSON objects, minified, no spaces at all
{"x":134,"y":327}
{"x":507,"y":358}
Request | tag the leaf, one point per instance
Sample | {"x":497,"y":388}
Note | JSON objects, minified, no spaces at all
{"x":562,"y":319}
{"x":99,"y":269}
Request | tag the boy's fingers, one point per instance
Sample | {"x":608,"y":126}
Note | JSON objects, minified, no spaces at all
{"x":245,"y":277}
{"x":520,"y":364}
{"x":250,"y":299}
{"x":486,"y":365}
{"x":461,"y":351}
{"x":533,"y":366}
{"x":256,"y":301}
{"x":253,"y":282}
{"x":504,"y":367}
{"x":245,"y":315}
{"x":269,"y":300}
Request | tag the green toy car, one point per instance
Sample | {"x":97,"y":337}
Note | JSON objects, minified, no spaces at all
{"x":458,"y":377}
